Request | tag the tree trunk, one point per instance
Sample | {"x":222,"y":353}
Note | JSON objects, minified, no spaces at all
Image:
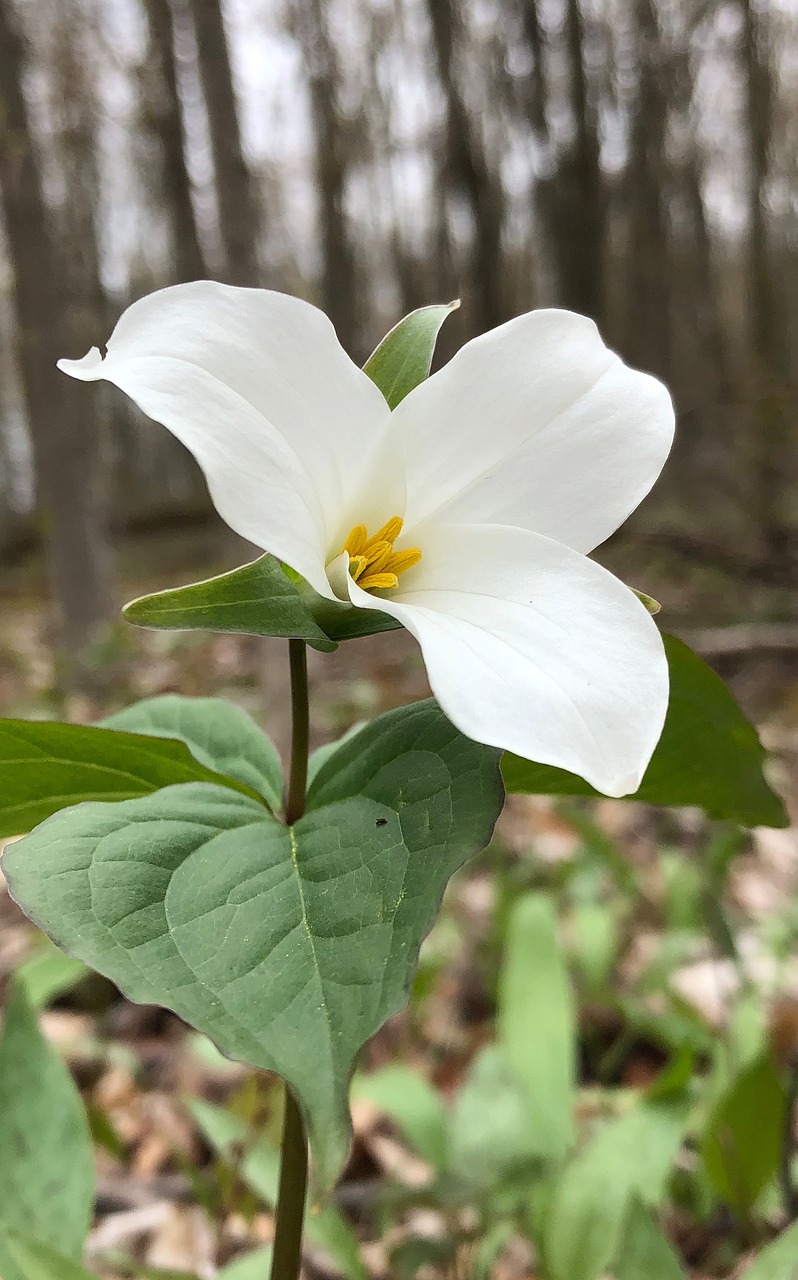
{"x":235,"y":188}
{"x":771,"y":444}
{"x":572,"y":201}
{"x":331,"y":162}
{"x":163,"y":117}
{"x":648,"y":309}
{"x":62,"y":423}
{"x":469,"y":173}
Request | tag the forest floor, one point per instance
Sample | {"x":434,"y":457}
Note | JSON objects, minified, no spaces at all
{"x":649,"y":970}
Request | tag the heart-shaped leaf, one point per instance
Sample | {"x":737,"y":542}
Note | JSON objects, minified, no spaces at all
{"x":48,"y":766}
{"x":288,"y":946}
{"x":404,"y":357}
{"x":218,"y":734}
{"x":709,"y":755}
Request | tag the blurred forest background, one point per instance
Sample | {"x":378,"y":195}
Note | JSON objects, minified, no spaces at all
{"x":630,"y":159}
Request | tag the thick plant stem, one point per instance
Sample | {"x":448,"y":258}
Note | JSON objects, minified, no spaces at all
{"x":300,"y":731}
{"x":287,"y":1256}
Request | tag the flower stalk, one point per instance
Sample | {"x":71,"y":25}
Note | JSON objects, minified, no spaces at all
{"x":290,"y":1215}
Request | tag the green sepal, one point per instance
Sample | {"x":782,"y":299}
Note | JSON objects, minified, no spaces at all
{"x":263,"y":598}
{"x":404,"y":357}
{"x":709,"y":754}
{"x":257,"y":599}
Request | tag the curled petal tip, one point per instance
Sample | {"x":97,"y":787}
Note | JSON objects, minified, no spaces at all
{"x":88,"y":369}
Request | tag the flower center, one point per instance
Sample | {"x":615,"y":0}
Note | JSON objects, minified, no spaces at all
{"x":373,"y":563}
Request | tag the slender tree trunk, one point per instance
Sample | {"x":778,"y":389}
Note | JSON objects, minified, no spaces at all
{"x":572,"y":202}
{"x":331,"y":162}
{"x":766,"y":302}
{"x":648,"y":310}
{"x":63,"y":428}
{"x":235,"y":188}
{"x":163,"y":117}
{"x":469,"y":172}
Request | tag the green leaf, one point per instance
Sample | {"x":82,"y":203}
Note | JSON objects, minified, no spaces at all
{"x":709,"y":755}
{"x":255,"y":1266}
{"x":25,"y":1259}
{"x":46,"y":1166}
{"x":260,"y":1168}
{"x":629,"y":1157}
{"x":46,"y":767}
{"x":488,"y":1250}
{"x":741,"y":1143}
{"x":289,"y":947}
{"x":414,"y":1106}
{"x":645,"y":1253}
{"x":536,"y":1008}
{"x":49,"y":974}
{"x":490,"y":1140}
{"x":404,"y":357}
{"x":264,"y":598}
{"x":595,"y":935}
{"x":219,"y":735}
{"x":256,"y":600}
{"x":779,"y":1261}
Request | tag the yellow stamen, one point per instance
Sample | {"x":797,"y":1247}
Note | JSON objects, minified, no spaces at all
{"x":357,"y":540}
{"x":372,"y":581}
{"x":373,"y":563}
{"x":390,"y":531}
{"x":405,"y":559}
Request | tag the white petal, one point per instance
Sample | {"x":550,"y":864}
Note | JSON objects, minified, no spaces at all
{"x":285,"y":426}
{"x":533,"y":648}
{"x":535,"y":424}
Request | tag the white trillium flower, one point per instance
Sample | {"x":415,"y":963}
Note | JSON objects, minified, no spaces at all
{"x":467,"y":513}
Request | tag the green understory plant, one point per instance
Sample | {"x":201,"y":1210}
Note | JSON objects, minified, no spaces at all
{"x":281,"y":916}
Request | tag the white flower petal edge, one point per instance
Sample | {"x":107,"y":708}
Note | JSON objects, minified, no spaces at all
{"x":533,"y":648}
{"x":538,"y":425}
{"x":288,"y":431}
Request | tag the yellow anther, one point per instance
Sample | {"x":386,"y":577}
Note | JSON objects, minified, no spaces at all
{"x":373,"y":563}
{"x":378,"y":554}
{"x":405,"y":559}
{"x":390,"y":531}
{"x":372,"y":581}
{"x":357,"y":540}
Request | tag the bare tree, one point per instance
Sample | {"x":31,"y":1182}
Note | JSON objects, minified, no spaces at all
{"x":331,"y":163}
{"x":579,"y":197}
{"x":163,"y":118}
{"x":649,"y":267}
{"x":468,"y":171}
{"x":239,"y":220}
{"x":63,"y":428}
{"x":766,"y":300}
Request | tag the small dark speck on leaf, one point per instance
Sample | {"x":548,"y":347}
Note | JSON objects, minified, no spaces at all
{"x":382,"y":822}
